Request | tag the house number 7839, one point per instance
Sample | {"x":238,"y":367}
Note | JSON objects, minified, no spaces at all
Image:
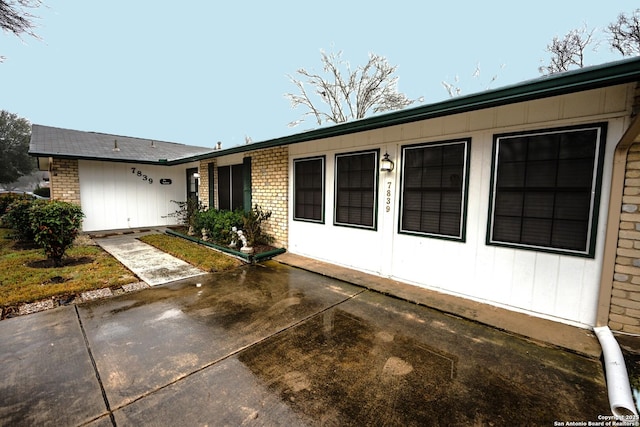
{"x":144,"y":177}
{"x":387,"y":207}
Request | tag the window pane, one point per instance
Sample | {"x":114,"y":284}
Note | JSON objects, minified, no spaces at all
{"x":237,"y":187}
{"x":356,"y":178}
{"x":509,"y":203}
{"x":545,"y":198}
{"x":308,"y":181}
{"x":433,"y":188}
{"x":224,"y":188}
{"x":507,"y":229}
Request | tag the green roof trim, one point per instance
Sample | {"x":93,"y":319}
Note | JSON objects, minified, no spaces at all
{"x":594,"y":77}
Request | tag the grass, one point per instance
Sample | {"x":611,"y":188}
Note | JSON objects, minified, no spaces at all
{"x":198,"y":255}
{"x":25,"y":276}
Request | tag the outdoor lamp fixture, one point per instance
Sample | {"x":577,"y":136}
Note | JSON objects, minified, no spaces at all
{"x":196,"y":175}
{"x":386,"y":165}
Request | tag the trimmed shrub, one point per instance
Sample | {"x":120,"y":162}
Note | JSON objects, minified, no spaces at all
{"x":17,"y":217}
{"x":56,"y":225}
{"x":219,"y":224}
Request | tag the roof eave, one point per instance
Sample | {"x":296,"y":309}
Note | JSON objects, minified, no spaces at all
{"x":161,"y":162}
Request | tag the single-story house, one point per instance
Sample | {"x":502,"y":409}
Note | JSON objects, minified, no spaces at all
{"x":524,"y":197}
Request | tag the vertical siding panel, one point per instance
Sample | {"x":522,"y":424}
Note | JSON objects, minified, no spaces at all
{"x":570,"y":283}
{"x":522,"y":279}
{"x":501,"y":281}
{"x":545,"y":282}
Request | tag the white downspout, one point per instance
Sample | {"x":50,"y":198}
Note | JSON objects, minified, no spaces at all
{"x":618,"y":387}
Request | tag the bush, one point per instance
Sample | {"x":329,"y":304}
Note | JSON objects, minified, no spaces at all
{"x":7,"y":198}
{"x":56,"y":225}
{"x":252,"y":226}
{"x":218,"y":224}
{"x":18,"y":218}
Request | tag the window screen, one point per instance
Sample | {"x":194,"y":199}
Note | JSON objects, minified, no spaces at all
{"x":433,"y":189}
{"x":308,"y":193}
{"x":355,"y":198}
{"x":546,"y":189}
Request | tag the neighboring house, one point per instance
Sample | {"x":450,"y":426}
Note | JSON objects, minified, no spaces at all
{"x":524,"y":197}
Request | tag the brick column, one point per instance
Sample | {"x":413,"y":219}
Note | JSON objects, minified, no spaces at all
{"x":64,"y":180}
{"x":624,"y":313}
{"x":203,"y":185}
{"x":270,"y":189}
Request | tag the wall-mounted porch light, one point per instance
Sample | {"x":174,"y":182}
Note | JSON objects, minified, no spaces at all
{"x":386,"y":165}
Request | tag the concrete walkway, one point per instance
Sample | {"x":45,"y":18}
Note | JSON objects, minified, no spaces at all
{"x":151,"y":265}
{"x":576,"y":339}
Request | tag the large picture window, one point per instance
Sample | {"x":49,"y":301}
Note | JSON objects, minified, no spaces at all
{"x":308,"y":189}
{"x":355,"y":189}
{"x":433,"y":189}
{"x":545,"y":189}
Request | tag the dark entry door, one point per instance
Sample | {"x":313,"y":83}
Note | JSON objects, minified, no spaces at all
{"x":192,"y":183}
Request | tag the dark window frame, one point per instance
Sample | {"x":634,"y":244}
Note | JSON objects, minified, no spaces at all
{"x":568,"y":192}
{"x":309,"y":189}
{"x":355,"y":189}
{"x":440,"y":191}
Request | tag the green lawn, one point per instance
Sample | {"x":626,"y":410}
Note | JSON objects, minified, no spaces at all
{"x":198,"y":255}
{"x":25,"y":276}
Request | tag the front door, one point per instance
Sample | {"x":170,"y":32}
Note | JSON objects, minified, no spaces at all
{"x":192,"y":183}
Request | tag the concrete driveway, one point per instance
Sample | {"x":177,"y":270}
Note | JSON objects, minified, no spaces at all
{"x":271,"y":344}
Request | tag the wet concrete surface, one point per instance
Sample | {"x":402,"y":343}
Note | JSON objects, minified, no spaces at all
{"x":274,"y":345}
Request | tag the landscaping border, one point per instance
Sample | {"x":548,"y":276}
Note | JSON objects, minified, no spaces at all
{"x":248,"y":258}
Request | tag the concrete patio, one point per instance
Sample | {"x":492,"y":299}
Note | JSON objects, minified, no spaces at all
{"x":271,"y":344}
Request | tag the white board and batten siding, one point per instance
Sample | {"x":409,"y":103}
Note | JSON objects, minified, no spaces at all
{"x":115,"y":196}
{"x":555,"y":286}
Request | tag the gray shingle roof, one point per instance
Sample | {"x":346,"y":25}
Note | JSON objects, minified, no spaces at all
{"x":49,"y":141}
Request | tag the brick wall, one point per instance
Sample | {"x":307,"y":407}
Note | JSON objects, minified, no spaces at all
{"x":624,"y":313}
{"x":64,"y":181}
{"x":270,"y":189}
{"x":203,"y":185}
{"x":624,"y":309}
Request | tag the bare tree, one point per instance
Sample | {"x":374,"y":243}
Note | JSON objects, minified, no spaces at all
{"x":16,"y":18}
{"x":625,"y":34}
{"x":453,"y":89}
{"x":348,"y":96}
{"x":568,"y":51}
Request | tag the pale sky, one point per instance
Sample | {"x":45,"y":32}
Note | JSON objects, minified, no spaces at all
{"x":198,"y":72}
